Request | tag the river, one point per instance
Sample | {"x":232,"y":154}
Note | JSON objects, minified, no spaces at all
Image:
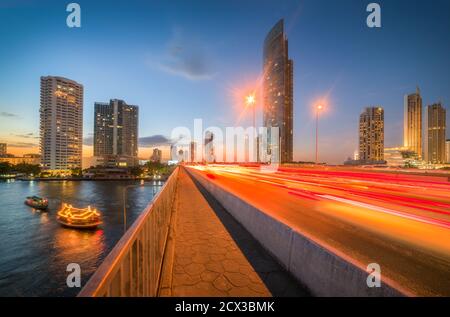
{"x":35,"y":249}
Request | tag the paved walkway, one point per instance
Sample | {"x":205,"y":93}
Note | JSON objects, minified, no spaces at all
{"x":210,"y":254}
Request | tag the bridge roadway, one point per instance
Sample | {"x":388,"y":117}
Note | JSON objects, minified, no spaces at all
{"x":210,"y":254}
{"x":399,"y":221}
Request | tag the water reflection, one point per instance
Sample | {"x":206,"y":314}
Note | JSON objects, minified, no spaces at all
{"x":35,"y":249}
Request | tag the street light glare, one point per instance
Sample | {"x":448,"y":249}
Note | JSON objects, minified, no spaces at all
{"x":250,"y":100}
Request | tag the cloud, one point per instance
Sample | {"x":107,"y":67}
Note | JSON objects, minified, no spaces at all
{"x":22,"y":144}
{"x":7,"y":114}
{"x":154,"y":140}
{"x":186,"y":57}
{"x":148,"y":141}
{"x":26,"y":136}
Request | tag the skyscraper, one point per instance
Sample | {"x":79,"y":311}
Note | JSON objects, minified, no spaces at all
{"x":412,"y":125}
{"x":371,"y":135}
{"x":435,"y":134}
{"x":116,"y":130}
{"x":61,"y":123}
{"x":278,"y":90}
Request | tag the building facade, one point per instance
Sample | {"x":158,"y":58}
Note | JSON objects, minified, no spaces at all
{"x":3,"y":149}
{"x":278,"y":96}
{"x":116,"y":131}
{"x":61,"y":123}
{"x":435,"y":134}
{"x":412,"y":125}
{"x":371,"y":135}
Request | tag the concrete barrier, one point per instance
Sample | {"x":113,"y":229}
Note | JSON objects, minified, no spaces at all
{"x":324,"y":271}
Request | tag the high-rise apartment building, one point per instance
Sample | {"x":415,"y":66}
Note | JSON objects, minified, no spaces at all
{"x":116,"y":129}
{"x":61,"y":123}
{"x":371,"y":135}
{"x":412,"y":125}
{"x":278,"y":91}
{"x":435,"y":134}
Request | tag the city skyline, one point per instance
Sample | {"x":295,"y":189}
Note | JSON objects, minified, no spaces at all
{"x":204,"y":92}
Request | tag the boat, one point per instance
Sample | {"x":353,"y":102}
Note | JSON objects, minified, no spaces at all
{"x":37,"y":202}
{"x":79,"y":218}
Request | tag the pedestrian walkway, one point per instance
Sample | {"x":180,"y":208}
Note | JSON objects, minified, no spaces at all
{"x":210,"y":254}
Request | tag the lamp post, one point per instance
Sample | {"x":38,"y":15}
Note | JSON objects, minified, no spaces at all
{"x":250,"y":100}
{"x":318,"y":109}
{"x":124,"y":197}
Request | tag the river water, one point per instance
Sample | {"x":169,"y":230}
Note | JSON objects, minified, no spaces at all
{"x":35,"y":249}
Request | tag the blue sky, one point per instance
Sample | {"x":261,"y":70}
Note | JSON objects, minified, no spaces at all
{"x":180,"y":60}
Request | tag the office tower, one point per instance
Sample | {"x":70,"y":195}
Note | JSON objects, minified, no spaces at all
{"x":371,"y":135}
{"x":116,"y":130}
{"x":412,"y":125}
{"x":447,"y":151}
{"x":61,"y":123}
{"x":435,"y":134}
{"x":156,"y":156}
{"x":278,"y":91}
{"x":3,"y":149}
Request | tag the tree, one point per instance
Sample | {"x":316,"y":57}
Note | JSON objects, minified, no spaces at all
{"x":27,"y":169}
{"x":135,"y":171}
{"x":5,"y":168}
{"x":76,"y":172}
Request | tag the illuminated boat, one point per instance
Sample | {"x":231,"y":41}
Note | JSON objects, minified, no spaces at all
{"x":37,"y":202}
{"x":85,"y":218}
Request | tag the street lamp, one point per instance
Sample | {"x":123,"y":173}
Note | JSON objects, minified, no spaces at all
{"x":250,"y":100}
{"x":318,"y":109}
{"x":124,"y":194}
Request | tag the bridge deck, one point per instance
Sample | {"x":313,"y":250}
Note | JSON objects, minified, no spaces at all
{"x":210,"y":254}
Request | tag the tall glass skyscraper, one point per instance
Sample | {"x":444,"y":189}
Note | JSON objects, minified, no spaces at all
{"x":278,"y":90}
{"x":412,"y":126}
{"x":61,"y":123}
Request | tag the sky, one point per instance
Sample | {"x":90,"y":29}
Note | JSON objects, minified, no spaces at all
{"x":182,"y":60}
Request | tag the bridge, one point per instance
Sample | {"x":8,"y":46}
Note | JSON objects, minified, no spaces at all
{"x":224,"y":230}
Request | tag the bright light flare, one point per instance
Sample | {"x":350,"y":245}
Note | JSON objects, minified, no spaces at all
{"x":250,"y":100}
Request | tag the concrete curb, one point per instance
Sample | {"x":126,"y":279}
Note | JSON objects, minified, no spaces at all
{"x":323,"y":271}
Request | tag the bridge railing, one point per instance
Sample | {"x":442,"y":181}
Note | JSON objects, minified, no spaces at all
{"x":133,"y":267}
